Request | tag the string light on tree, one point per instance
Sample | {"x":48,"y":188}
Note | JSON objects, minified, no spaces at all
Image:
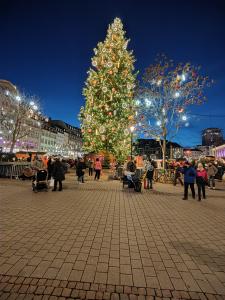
{"x":172,"y":87}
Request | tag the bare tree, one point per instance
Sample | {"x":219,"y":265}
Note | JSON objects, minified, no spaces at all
{"x":164,"y":96}
{"x":18,"y":111}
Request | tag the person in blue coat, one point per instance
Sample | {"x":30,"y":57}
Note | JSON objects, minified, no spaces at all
{"x":189,"y":179}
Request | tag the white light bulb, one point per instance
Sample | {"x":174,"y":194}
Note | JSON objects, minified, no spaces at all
{"x":7,"y":93}
{"x":158,"y":123}
{"x":31,"y":103}
{"x":177,"y":94}
{"x":18,"y":98}
{"x":35,"y":107}
{"x":184,"y":118}
{"x":159,"y":82}
{"x":137,"y":102}
{"x":183,"y":77}
{"x":148,"y":102}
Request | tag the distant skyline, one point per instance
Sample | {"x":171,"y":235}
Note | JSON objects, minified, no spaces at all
{"x":47,"y":45}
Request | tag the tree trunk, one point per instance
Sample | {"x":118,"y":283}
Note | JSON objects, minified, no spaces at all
{"x":164,"y":148}
{"x":13,"y":142}
{"x":164,"y":152}
{"x":171,"y":151}
{"x":12,"y":146}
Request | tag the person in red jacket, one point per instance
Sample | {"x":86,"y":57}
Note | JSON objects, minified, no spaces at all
{"x":98,"y":168}
{"x":201,"y":180}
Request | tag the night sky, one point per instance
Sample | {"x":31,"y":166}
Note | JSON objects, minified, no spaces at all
{"x":46,"y":48}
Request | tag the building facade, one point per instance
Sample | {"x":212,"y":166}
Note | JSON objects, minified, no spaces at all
{"x":219,"y":152}
{"x":212,"y":137}
{"x":206,"y":150}
{"x":192,"y":153}
{"x":39,"y":134}
{"x":152,"y":149}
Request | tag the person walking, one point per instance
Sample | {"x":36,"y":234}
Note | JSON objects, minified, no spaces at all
{"x":212,"y":170}
{"x":201,"y":180}
{"x":58,"y":173}
{"x":90,"y":167}
{"x":149,"y":174}
{"x":98,"y":168}
{"x":80,"y":170}
{"x":189,"y":179}
{"x":177,"y":175}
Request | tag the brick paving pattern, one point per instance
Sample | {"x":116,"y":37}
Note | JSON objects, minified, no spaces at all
{"x":98,"y":241}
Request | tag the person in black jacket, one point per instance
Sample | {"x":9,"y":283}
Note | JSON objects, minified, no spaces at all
{"x":79,"y":170}
{"x":58,"y":173}
{"x":149,"y":173}
{"x":49,"y":167}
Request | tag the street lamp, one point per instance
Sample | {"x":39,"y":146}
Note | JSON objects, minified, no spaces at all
{"x":131,"y":140}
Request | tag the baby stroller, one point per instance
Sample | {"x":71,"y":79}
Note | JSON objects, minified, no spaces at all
{"x":40,"y":182}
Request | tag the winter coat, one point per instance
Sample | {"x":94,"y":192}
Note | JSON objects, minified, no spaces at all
{"x":58,"y":172}
{"x":50,"y":166}
{"x":212,"y":170}
{"x":189,"y":174}
{"x":202,"y":176}
{"x":79,"y":169}
{"x":98,"y":165}
{"x":90,"y":164}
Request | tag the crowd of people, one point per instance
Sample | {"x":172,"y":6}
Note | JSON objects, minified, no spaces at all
{"x":186,"y":173}
{"x":196,"y":172}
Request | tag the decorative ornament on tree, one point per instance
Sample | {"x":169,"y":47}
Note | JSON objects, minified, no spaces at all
{"x":126,"y":131}
{"x":88,"y":117}
{"x":109,"y":65}
{"x":102,"y":129}
{"x":94,"y":63}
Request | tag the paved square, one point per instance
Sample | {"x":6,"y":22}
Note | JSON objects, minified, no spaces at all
{"x":98,"y":241}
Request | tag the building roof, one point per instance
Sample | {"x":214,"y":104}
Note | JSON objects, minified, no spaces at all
{"x":7,"y":85}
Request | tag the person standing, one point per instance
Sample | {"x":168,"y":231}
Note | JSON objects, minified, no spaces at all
{"x":212,"y":170}
{"x":98,"y":168}
{"x":90,"y":167}
{"x":189,"y":180}
{"x":201,"y":180}
{"x":58,"y":173}
{"x":80,"y":170}
{"x":149,"y":174}
{"x":49,"y":167}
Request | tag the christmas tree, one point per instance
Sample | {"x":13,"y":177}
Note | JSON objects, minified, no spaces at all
{"x":109,"y":93}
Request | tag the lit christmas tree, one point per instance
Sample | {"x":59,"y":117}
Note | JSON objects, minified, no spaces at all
{"x":109,"y":95}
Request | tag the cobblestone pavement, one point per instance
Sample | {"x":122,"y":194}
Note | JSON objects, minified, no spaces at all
{"x":98,"y":241}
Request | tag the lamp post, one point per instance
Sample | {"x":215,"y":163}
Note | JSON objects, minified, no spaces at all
{"x":131,"y":141}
